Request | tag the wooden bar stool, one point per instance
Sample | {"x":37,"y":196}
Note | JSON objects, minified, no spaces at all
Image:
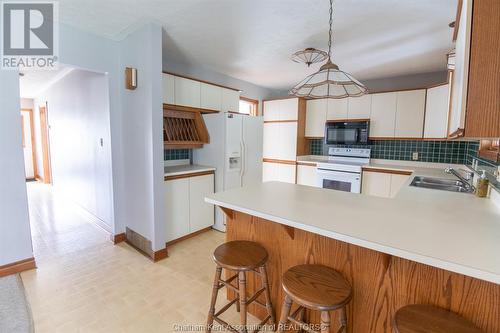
{"x":318,"y":288}
{"x":419,"y":318}
{"x":240,"y":257}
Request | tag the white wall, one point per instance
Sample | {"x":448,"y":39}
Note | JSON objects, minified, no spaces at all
{"x":143,"y":135}
{"x":78,"y":117}
{"x":15,"y":237}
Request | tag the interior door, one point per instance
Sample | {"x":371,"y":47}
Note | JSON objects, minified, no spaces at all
{"x":234,"y":147}
{"x":253,"y":128}
{"x":29,"y":162}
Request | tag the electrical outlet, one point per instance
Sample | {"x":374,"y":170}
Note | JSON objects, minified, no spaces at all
{"x":414,"y":156}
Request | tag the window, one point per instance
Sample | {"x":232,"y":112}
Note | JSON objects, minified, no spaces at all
{"x":249,"y":106}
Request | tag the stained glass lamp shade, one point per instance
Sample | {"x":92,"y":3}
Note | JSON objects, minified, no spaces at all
{"x":329,"y":82}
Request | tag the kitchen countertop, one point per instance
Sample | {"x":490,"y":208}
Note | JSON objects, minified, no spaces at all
{"x":453,"y":231}
{"x":186,"y":169}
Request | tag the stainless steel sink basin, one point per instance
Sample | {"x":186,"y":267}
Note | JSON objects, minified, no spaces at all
{"x":451,"y":185}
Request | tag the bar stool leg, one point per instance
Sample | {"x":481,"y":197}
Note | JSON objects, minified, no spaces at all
{"x":302,"y":314}
{"x":215,"y":292}
{"x":325,"y":322}
{"x":343,"y":319}
{"x":238,"y":296}
{"x":269,"y":306}
{"x":243,"y":301}
{"x":285,"y":312}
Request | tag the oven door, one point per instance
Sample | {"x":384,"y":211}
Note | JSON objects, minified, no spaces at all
{"x":339,"y":180}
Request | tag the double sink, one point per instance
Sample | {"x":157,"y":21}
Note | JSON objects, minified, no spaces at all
{"x":451,"y":185}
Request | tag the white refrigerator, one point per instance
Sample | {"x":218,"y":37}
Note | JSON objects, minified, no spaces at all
{"x":235,"y":150}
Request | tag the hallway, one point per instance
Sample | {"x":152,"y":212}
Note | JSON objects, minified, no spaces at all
{"x":86,"y":284}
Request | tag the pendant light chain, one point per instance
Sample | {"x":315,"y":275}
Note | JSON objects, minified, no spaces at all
{"x":330,"y":32}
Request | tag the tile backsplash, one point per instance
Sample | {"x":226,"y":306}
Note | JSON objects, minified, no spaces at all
{"x":456,"y":152}
{"x":176,"y":154}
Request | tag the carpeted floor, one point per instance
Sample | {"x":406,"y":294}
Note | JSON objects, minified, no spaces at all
{"x":15,"y":314}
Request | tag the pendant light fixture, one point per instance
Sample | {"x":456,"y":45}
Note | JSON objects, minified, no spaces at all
{"x":309,"y":56}
{"x":329,"y":81}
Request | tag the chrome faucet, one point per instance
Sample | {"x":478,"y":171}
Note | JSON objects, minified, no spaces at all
{"x":467,"y":180}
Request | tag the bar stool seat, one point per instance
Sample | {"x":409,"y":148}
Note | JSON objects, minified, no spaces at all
{"x":240,"y":255}
{"x":417,"y":318}
{"x":241,"y":258}
{"x":318,"y":288}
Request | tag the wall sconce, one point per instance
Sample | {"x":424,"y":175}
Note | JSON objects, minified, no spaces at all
{"x":130,"y":78}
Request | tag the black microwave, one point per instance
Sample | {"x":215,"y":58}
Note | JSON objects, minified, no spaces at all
{"x":347,"y":132}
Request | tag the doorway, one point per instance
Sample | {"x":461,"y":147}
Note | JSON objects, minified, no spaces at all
{"x":66,"y":122}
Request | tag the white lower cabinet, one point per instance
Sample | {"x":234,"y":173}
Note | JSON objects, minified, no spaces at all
{"x":306,"y":175}
{"x":186,"y":209}
{"x":397,"y":182}
{"x":376,"y":183}
{"x":382,"y":184}
{"x":279,"y":172}
{"x":177,"y":208}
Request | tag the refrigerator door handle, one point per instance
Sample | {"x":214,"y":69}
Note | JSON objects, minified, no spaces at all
{"x":243,"y":160}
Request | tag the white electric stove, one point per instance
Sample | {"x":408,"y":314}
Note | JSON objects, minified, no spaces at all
{"x":343,"y":170}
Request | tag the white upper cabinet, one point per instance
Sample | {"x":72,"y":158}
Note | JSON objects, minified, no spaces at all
{"x":337,"y":109}
{"x":187,"y":92}
{"x":281,"y":109}
{"x":460,"y":75}
{"x":230,"y":100}
{"x":410,"y":114}
{"x":383,"y":115}
{"x":316,"y":117}
{"x":359,"y":107}
{"x":272,"y":110}
{"x":436,"y":112}
{"x":210,"y":97}
{"x":289,"y":109}
{"x":168,"y":91}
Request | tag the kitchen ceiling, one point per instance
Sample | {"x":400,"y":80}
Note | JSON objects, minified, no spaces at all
{"x":252,"y":40}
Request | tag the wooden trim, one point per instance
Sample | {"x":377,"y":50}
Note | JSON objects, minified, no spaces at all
{"x":33,"y":144}
{"x":394,"y":138}
{"x":271,"y":160}
{"x":17,"y":267}
{"x":457,"y":20}
{"x":391,"y":171}
{"x":425,"y":114}
{"x":189,"y":175}
{"x":303,"y":145}
{"x":170,"y":145}
{"x":255,"y":103}
{"x":202,"y":81}
{"x":307,"y":163}
{"x":173,"y":107}
{"x":290,"y":231}
{"x":451,"y":73}
{"x":144,"y":245}
{"x":280,"y":121}
{"x":314,"y":137}
{"x":118,"y":238}
{"x":191,"y":235}
{"x":229,"y":212}
{"x":44,"y":135}
{"x":160,"y":255}
{"x":23,"y":144}
{"x":345,"y":120}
